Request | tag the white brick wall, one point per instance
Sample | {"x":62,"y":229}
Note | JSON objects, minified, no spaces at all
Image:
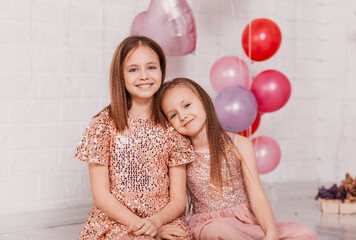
{"x":54,"y":65}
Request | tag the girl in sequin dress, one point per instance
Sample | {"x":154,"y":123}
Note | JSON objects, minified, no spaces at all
{"x":137,"y":163}
{"x":224,"y":186}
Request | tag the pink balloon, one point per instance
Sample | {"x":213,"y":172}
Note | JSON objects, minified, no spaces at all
{"x":228,"y":71}
{"x":272,"y":90}
{"x":170,"y":23}
{"x":268,"y":154}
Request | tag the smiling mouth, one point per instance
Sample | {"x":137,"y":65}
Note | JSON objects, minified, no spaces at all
{"x":147,"y":85}
{"x":188,"y":123}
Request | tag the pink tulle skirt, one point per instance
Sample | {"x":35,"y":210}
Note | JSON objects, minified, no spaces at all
{"x":240,"y":223}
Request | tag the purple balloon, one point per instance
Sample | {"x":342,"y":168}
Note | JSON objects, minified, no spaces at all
{"x":236,"y":107}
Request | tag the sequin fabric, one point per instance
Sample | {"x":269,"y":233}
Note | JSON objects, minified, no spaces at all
{"x":204,"y":195}
{"x":138,"y":160}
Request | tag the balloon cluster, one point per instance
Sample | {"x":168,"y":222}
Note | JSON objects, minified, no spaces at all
{"x":239,"y":104}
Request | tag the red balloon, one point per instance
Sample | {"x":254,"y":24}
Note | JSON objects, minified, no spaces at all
{"x":261,"y":39}
{"x":268,"y":154}
{"x":254,"y":126}
{"x":272,"y":90}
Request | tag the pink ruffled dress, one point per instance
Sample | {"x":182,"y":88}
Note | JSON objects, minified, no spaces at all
{"x":138,"y":161}
{"x":228,"y":215}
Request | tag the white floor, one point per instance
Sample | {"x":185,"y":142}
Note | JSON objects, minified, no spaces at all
{"x":307,"y":212}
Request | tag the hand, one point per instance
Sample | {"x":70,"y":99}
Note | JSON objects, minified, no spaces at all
{"x":144,"y":227}
{"x":271,"y":236}
{"x":170,"y":232}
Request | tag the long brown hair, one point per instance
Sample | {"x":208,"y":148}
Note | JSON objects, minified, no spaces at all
{"x":121,"y":101}
{"x":218,"y":139}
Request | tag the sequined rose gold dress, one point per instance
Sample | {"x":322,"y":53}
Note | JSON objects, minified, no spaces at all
{"x":228,"y":215}
{"x":138,"y":162}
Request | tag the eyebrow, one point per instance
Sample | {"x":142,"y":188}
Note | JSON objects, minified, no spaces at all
{"x":131,"y":65}
{"x":135,"y":64}
{"x":173,"y":110}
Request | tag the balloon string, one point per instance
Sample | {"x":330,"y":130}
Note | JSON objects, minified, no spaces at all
{"x":233,"y":14}
{"x":249,"y":47}
{"x":249,"y":39}
{"x":235,"y":26}
{"x":249,"y":129}
{"x":251,"y":62}
{"x":249,"y":80}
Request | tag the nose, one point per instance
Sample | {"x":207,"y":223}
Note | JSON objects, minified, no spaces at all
{"x":144,"y":75}
{"x":182,"y":116}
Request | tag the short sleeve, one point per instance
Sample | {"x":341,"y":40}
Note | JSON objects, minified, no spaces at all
{"x":181,"y":149}
{"x":94,"y":147}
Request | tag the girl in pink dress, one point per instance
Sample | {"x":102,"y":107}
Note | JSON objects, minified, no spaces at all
{"x":223,"y":182}
{"x":136,"y":161}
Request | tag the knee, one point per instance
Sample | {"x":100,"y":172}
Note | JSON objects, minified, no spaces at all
{"x":212,"y":230}
{"x":219,"y":230}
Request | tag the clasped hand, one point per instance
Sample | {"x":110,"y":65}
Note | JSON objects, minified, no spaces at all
{"x":147,"y":227}
{"x":144,"y":227}
{"x":170,"y":232}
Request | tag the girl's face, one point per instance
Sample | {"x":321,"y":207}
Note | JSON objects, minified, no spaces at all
{"x":184,"y":110}
{"x":142,"y":73}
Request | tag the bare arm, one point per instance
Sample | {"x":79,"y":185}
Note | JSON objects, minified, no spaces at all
{"x":176,"y":205}
{"x":173,"y":209}
{"x":259,"y":202}
{"x":104,"y":200}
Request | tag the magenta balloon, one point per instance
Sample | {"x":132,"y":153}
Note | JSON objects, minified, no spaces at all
{"x":272,"y":90}
{"x":236,"y":108}
{"x":228,"y":71}
{"x":170,"y":23}
{"x":268,"y":154}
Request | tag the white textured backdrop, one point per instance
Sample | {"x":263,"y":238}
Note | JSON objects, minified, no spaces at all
{"x":54,"y":68}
